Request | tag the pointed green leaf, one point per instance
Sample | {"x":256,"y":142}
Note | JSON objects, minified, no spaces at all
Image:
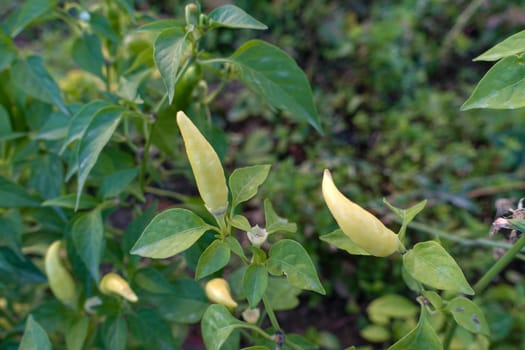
{"x":186,"y":304}
{"x":80,"y":120}
{"x":468,"y":315}
{"x":115,"y":333}
{"x":33,"y":78}
{"x":170,"y":50}
{"x":275,"y":223}
{"x":231,"y":16}
{"x":289,"y":258}
{"x":95,"y":137}
{"x":281,"y":294}
{"x":150,"y":329}
{"x":115,"y":183}
{"x":169,"y":233}
{"x":214,"y":258}
{"x":135,"y":228}
{"x":513,"y":45}
{"x":339,"y":240}
{"x":274,"y":75}
{"x":235,"y":246}
{"x":518,"y":224}
{"x":241,"y":222}
{"x":217,"y":325}
{"x":421,"y":337}
{"x":69,"y":200}
{"x":87,"y":53}
{"x":244,"y":182}
{"x":30,"y":11}
{"x":431,"y":264}
{"x":502,"y":87}
{"x":407,"y":215}
{"x":88,"y":238}
{"x":254,"y":284}
{"x":375,"y":333}
{"x":35,"y":337}
{"x":161,"y":25}
{"x":7,"y":51}
{"x":76,"y":334}
{"x":13,"y":195}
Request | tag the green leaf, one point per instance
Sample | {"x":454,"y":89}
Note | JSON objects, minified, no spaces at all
{"x":170,"y":49}
{"x":375,"y":333}
{"x":81,"y":119}
{"x":244,"y":182}
{"x":95,"y":137}
{"x":274,"y":75}
{"x":18,"y":269}
{"x":13,"y":195}
{"x":468,"y":315}
{"x":275,"y":223}
{"x":87,"y":53}
{"x":115,"y":183}
{"x":135,"y":228}
{"x":169,"y":233}
{"x":513,"y":45}
{"x":431,"y":264}
{"x":407,"y":215}
{"x":186,"y":304}
{"x":30,"y":11}
{"x":502,"y":87}
{"x":289,"y":258}
{"x":76,"y":334}
{"x":33,"y":78}
{"x":217,"y":325}
{"x":115,"y":333}
{"x":148,"y":327}
{"x":254,"y":284}
{"x":241,"y":222}
{"x":34,"y":338}
{"x":68,"y":201}
{"x":47,"y":175}
{"x":256,"y":347}
{"x":421,"y":337}
{"x":389,"y":306}
{"x":88,"y":238}
{"x":7,"y":51}
{"x":231,"y":16}
{"x":152,"y":281}
{"x":161,"y":25}
{"x":214,"y":258}
{"x":235,"y":246}
{"x":339,"y":240}
{"x":12,"y":228}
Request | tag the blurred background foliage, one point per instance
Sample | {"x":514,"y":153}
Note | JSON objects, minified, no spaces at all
{"x":388,"y":79}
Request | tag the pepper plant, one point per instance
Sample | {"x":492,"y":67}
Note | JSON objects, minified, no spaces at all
{"x":98,"y":142}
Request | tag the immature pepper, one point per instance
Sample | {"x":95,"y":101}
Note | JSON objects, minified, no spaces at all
{"x":364,"y":229}
{"x":218,"y":291}
{"x":113,"y":283}
{"x":60,"y":280}
{"x":206,"y":166}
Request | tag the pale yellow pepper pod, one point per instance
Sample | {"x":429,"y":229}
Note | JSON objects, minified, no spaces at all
{"x":113,"y":283}
{"x":363,"y":228}
{"x":218,"y":291}
{"x":60,"y":280}
{"x":206,"y":166}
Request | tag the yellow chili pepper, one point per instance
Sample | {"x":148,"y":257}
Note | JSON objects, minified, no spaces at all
{"x":60,"y":280}
{"x":218,"y":291}
{"x":206,"y":166}
{"x":113,"y":283}
{"x":363,"y":228}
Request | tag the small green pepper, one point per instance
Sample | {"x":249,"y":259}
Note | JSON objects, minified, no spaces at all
{"x":60,"y":280}
{"x":206,"y":167}
{"x":364,"y":229}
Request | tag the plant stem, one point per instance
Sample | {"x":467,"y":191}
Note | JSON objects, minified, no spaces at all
{"x":500,"y":265}
{"x":485,"y":280}
{"x":271,"y":314}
